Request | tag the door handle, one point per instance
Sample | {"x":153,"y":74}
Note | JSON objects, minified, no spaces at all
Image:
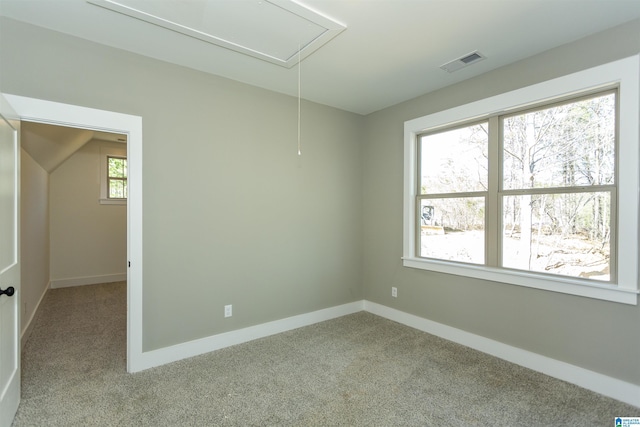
{"x":8,"y":292}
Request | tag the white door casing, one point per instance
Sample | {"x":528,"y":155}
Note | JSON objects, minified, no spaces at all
{"x":9,"y":264}
{"x":55,"y":113}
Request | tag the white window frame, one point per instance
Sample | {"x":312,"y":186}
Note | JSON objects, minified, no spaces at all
{"x":105,"y":153}
{"x":623,"y":73}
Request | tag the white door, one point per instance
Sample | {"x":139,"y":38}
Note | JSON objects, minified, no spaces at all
{"x":9,"y":266}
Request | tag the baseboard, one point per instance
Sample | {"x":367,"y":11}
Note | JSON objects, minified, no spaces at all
{"x":177,"y":352}
{"x":88,"y":280}
{"x":599,"y":383}
{"x":26,"y":332}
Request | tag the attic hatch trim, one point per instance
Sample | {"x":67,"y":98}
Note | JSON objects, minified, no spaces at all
{"x":319,"y":29}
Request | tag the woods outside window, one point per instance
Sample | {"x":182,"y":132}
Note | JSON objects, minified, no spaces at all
{"x":553,"y":197}
{"x":537,"y":187}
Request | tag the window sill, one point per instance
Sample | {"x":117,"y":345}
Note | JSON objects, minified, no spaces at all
{"x":563,"y":285}
{"x":113,"y":202}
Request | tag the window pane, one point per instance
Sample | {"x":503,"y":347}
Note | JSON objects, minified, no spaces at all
{"x":454,"y":161}
{"x":565,"y":234}
{"x":117,"y":189}
{"x":117,"y":167}
{"x":566,"y":145}
{"x":453,"y":229}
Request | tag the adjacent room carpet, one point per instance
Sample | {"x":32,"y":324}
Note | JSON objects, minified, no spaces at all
{"x":358,"y":370}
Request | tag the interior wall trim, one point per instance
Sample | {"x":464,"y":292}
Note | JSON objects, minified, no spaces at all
{"x":594,"y":381}
{"x":193,"y":348}
{"x":88,"y":280}
{"x":28,"y":328}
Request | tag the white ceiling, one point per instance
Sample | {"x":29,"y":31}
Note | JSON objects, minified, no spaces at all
{"x":390,"y":52}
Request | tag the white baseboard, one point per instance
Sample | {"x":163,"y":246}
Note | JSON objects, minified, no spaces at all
{"x":177,"y":352}
{"x":599,"y":383}
{"x":26,"y":332}
{"x":89,"y":280}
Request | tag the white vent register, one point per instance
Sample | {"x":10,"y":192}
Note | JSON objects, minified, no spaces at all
{"x":282,"y":32}
{"x":463,"y":61}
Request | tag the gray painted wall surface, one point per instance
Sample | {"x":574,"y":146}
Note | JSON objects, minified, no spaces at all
{"x":232,"y":215}
{"x":597,"y":335}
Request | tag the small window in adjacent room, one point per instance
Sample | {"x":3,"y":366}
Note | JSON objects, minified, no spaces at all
{"x":114,"y":188}
{"x":116,"y":177}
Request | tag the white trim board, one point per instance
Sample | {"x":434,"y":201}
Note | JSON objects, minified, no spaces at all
{"x":26,"y":332}
{"x":87,"y":280}
{"x":200,"y":346}
{"x":599,"y":383}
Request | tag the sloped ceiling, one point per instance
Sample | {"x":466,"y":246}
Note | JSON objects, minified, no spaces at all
{"x":51,"y":145}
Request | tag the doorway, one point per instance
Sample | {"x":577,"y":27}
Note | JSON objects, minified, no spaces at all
{"x":54,"y":113}
{"x":69,"y":235}
{"x":73,"y":202}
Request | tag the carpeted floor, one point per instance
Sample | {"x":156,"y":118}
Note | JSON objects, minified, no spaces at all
{"x":358,"y":370}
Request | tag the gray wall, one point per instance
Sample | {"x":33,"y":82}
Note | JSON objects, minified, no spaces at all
{"x":231,"y":214}
{"x":597,"y":335}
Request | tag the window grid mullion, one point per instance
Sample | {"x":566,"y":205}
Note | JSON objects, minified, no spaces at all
{"x":418,"y":229}
{"x":559,"y":190}
{"x":493,"y":252}
{"x":451,"y":195}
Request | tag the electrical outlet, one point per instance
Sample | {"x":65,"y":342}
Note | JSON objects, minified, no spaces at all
{"x":394,"y":292}
{"x":228,"y":310}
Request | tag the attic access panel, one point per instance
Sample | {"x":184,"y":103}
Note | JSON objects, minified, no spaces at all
{"x":271,"y":30}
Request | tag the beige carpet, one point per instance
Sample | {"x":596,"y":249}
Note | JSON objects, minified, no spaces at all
{"x":358,"y":370}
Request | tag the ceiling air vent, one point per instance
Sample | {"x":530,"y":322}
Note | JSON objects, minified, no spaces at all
{"x":468,"y":59}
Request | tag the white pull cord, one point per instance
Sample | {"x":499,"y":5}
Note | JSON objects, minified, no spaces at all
{"x":299,"y":66}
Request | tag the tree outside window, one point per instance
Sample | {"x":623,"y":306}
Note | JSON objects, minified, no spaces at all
{"x":558,"y":188}
{"x":453,"y":190}
{"x":550,"y":208}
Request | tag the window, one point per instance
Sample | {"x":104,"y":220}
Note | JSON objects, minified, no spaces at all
{"x":453,"y":181}
{"x":113,"y":175}
{"x":116,"y":177}
{"x":556,"y":180}
{"x":558,"y":184}
{"x":542,"y":193}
